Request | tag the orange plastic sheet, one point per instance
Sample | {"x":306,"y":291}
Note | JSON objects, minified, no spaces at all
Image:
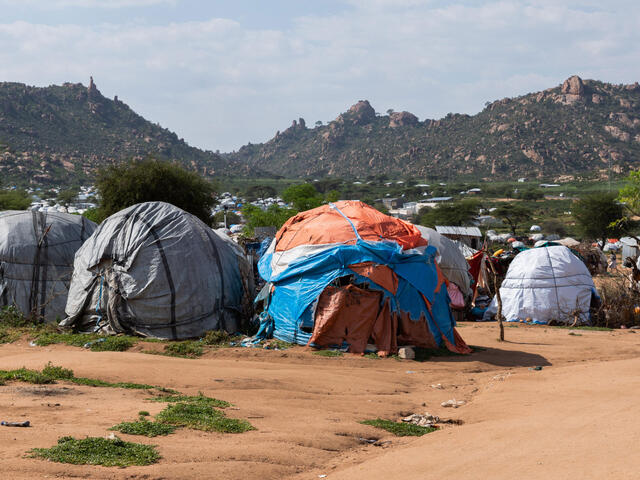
{"x":346,"y":314}
{"x":325,"y":225}
{"x":379,"y":274}
{"x":414,"y":333}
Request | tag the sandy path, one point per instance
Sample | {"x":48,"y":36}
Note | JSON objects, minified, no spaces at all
{"x":306,"y":409}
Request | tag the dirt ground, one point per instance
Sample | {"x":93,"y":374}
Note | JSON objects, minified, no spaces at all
{"x":577,"y":417}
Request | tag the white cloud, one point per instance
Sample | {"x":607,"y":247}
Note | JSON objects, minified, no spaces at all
{"x":87,"y":4}
{"x":220,"y":84}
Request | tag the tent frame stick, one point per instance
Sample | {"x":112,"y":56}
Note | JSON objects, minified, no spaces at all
{"x":498,"y":298}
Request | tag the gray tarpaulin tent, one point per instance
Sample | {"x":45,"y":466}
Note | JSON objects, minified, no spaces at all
{"x":158,"y":271}
{"x":452,"y":263}
{"x":36,"y":260}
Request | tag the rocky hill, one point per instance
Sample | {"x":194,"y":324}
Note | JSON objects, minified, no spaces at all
{"x":60,"y":134}
{"x":579,"y":127}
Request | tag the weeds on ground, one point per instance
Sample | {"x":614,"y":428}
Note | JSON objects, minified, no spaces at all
{"x":329,"y":353}
{"x":198,"y":416}
{"x":98,"y":451}
{"x":113,"y":344}
{"x":50,"y":373}
{"x":399,"y":429}
{"x":144,"y":427}
{"x":143,"y":413}
{"x":582,"y":327}
{"x":199,"y":399}
{"x":218,"y":338}
{"x":184,"y":349}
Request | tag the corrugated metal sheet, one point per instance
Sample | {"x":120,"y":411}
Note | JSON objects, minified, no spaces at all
{"x":464,"y":231}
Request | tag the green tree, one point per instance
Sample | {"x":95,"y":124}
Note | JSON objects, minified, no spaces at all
{"x":274,"y":216}
{"x":65,"y":197}
{"x":332,"y":196}
{"x":553,"y":225}
{"x":14,"y":200}
{"x":598,"y":216}
{"x":302,"y":197}
{"x":456,"y":214}
{"x":129,"y":183}
{"x":260,"y":191}
{"x":629,"y":195}
{"x":513,"y":214}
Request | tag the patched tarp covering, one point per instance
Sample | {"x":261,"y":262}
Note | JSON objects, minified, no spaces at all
{"x":544,"y":284}
{"x":393,"y":275}
{"x":36,"y":260}
{"x":158,"y":271}
{"x":451,"y":260}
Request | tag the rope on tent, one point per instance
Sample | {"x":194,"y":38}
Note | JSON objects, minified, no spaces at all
{"x":355,"y":230}
{"x":98,"y":312}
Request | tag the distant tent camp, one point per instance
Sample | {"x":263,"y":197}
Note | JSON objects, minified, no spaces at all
{"x":155,"y":270}
{"x":346,"y":275}
{"x":36,"y":260}
{"x":544,"y":284}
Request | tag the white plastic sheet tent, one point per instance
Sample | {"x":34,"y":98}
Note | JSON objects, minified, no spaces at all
{"x":36,"y":260}
{"x":544,"y":284}
{"x":155,"y":270}
{"x":450,"y":259}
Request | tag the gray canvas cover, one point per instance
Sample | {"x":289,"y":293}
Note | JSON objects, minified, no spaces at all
{"x":36,"y":260}
{"x":450,"y":259}
{"x":158,"y":271}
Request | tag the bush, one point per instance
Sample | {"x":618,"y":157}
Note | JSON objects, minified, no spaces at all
{"x":98,"y":451}
{"x":127,"y":184}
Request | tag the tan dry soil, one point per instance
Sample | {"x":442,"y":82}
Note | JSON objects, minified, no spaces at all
{"x":576,"y":418}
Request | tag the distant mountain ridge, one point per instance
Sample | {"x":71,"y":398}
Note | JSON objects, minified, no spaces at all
{"x":575,"y":128}
{"x":61,"y":134}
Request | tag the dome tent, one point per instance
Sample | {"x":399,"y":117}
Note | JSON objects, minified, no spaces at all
{"x":158,"y":271}
{"x":544,"y":284}
{"x":345,"y":273}
{"x":36,"y":260}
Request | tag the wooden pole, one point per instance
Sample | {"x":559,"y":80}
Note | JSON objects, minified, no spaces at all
{"x":498,"y":298}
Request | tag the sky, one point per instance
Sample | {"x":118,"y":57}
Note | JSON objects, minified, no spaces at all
{"x":222,"y":74}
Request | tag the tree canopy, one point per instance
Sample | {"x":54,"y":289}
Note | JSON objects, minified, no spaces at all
{"x":458,"y":214}
{"x":513,"y":214}
{"x":129,"y":183}
{"x":302,"y":197}
{"x":597,"y":215}
{"x":14,"y":200}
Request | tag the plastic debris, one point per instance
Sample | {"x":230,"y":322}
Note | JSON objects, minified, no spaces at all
{"x":438,"y":386}
{"x":453,"y":403}
{"x":426,"y":420}
{"x":16,"y":424}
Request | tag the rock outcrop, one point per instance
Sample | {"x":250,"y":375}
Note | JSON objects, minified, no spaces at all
{"x":401,"y":119}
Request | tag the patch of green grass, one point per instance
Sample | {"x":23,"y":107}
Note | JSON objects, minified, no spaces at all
{"x":275,"y":344}
{"x":198,"y":416}
{"x":58,"y":373}
{"x":73,"y":339}
{"x":94,"y":382}
{"x":144,"y":427}
{"x":217,"y":338}
{"x":98,"y":451}
{"x":200,"y":399}
{"x":8,"y":335}
{"x":113,"y":344}
{"x":26,"y":375}
{"x":583,"y":327}
{"x":329,"y":353}
{"x":143,"y":413}
{"x":371,"y":355}
{"x":399,"y":429}
{"x":98,"y":343}
{"x":185,"y":349}
{"x":575,"y":334}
